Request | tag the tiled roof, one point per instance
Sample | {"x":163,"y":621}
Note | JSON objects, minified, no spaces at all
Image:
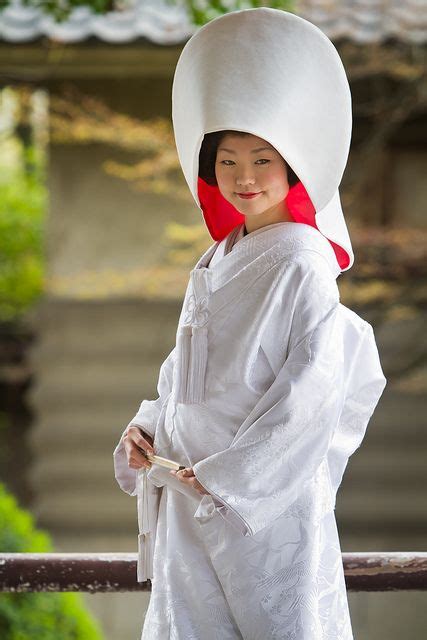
{"x":155,"y":20}
{"x":366,"y":21}
{"x":361,"y":21}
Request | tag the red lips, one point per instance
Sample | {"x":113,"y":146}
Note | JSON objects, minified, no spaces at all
{"x":248,"y":195}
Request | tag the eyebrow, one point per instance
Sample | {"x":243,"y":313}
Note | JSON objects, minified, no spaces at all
{"x":253,"y":150}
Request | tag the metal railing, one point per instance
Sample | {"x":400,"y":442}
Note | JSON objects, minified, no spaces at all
{"x":110,"y":572}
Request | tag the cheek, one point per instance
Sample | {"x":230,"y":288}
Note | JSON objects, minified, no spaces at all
{"x":279,"y":183}
{"x":223,"y":178}
{"x":219,"y":173}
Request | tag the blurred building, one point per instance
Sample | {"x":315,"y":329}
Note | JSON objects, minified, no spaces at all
{"x":97,"y":356}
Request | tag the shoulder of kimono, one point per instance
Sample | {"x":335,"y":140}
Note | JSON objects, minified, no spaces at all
{"x":309,"y":266}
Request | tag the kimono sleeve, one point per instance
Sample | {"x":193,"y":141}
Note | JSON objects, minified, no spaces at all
{"x":365,"y":385}
{"x":146,"y":418}
{"x":286,"y":436}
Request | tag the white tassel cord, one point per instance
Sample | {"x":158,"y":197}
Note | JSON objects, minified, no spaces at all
{"x":145,"y":550}
{"x":183,"y":345}
{"x":198,"y":363}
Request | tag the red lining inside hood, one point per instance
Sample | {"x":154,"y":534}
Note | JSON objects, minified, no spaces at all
{"x":221,"y":217}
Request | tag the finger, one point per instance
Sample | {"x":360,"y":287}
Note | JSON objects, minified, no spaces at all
{"x":143,"y":444}
{"x":138,"y":457}
{"x":181,"y":477}
{"x":137,"y":465}
{"x":146,"y":436}
{"x":140,"y":438}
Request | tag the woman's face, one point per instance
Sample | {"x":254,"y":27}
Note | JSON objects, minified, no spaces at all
{"x":249,"y":164}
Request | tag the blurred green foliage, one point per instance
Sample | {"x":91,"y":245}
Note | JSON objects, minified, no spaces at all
{"x":45,"y":616}
{"x":203,"y":11}
{"x":23,"y":197}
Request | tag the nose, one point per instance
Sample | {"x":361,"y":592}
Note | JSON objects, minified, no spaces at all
{"x":245,"y":176}
{"x":245,"y":180}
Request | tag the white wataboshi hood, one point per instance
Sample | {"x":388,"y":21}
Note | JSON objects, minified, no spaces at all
{"x":273,"y":74}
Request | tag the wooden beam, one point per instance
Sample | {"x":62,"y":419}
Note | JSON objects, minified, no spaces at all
{"x":114,"y":572}
{"x":44,"y":60}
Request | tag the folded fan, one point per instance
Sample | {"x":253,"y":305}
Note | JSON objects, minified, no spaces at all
{"x":163,"y":462}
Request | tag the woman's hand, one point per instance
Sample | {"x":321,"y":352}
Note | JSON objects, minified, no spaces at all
{"x":187,"y":477}
{"x":135,"y":440}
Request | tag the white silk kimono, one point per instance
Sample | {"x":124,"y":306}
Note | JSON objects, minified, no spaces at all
{"x":272,"y":381}
{"x":286,"y":382}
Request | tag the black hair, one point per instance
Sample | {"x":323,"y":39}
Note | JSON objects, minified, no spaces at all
{"x":208,"y":151}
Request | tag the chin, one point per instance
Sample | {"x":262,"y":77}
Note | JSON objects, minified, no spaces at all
{"x":250,"y":213}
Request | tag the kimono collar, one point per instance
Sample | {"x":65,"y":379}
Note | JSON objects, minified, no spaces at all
{"x":210,"y":289}
{"x":272,"y":242}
